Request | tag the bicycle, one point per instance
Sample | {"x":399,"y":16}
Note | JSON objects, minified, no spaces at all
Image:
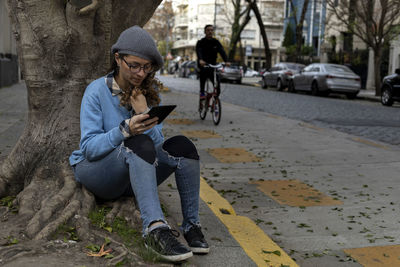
{"x":211,"y":94}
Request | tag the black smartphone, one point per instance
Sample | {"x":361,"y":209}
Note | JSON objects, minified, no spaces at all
{"x":161,"y":112}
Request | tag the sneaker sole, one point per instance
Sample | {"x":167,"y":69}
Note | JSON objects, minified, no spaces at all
{"x":199,"y":250}
{"x":172,"y":258}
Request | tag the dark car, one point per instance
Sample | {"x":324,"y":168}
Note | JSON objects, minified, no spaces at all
{"x":279,"y":75}
{"x":182,"y":69}
{"x":190,"y":70}
{"x":391,"y":88}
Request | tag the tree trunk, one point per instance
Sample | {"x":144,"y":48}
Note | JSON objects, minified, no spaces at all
{"x":267,"y":51}
{"x":237,"y":29}
{"x":299,"y":29}
{"x":377,"y":67}
{"x":61,"y":49}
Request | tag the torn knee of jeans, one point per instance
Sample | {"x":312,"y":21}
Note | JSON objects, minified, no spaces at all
{"x":142,"y":146}
{"x":181,"y":146}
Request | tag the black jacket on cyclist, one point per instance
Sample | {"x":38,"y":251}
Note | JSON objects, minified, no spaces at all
{"x":207,"y":49}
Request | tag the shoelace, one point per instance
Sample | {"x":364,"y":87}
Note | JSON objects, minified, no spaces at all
{"x":169,"y":236}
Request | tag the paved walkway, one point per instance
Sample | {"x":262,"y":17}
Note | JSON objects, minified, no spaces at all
{"x":275,"y":190}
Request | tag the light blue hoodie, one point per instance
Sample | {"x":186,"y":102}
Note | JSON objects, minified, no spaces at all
{"x":101,"y":115}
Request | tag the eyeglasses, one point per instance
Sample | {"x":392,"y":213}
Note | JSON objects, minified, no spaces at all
{"x":136,"y":67}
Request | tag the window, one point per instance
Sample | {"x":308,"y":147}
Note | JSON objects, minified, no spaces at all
{"x":248,"y":35}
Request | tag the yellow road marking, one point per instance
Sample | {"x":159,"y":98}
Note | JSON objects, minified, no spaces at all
{"x":233,"y":155}
{"x":307,"y":125}
{"x":257,"y":245}
{"x":370,"y":143}
{"x":201,"y":134}
{"x":274,"y":116}
{"x":295,"y":193}
{"x":376,"y":256}
{"x":180,"y":121}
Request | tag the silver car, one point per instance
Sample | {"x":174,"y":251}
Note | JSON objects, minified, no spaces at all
{"x":279,"y":75}
{"x":231,"y":73}
{"x":321,"y":79}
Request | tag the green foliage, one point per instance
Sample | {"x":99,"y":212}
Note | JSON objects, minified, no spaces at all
{"x":131,"y":237}
{"x":66,"y":232}
{"x":289,"y":39}
{"x":9,"y":203}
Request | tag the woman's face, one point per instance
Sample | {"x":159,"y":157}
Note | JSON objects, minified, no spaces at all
{"x":133,"y":69}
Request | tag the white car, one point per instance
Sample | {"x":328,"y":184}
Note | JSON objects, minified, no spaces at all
{"x":250,"y":73}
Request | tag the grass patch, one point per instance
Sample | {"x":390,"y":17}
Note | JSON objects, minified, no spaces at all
{"x":131,"y":237}
{"x":9,"y":203}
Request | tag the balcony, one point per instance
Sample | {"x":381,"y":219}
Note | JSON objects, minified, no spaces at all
{"x":181,"y":21}
{"x":182,"y":3}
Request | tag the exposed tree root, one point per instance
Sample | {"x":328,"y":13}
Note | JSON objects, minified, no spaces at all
{"x":127,"y":209}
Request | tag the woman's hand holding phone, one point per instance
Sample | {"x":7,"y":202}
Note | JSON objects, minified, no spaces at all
{"x":138,"y":124}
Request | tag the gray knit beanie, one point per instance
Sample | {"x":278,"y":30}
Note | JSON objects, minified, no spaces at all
{"x":138,"y":42}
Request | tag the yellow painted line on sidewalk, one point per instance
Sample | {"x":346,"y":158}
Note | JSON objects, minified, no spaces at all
{"x":376,"y":256}
{"x":204,"y":134}
{"x":310,"y":126}
{"x":180,"y":121}
{"x":233,"y":155}
{"x":257,"y":245}
{"x":295,"y":193}
{"x":370,"y":143}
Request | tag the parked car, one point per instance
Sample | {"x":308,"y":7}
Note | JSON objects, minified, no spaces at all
{"x":182,"y":69}
{"x":250,"y":72}
{"x":231,"y":73}
{"x":279,"y":75}
{"x":321,"y":79}
{"x":391,"y":88}
{"x":190,"y":70}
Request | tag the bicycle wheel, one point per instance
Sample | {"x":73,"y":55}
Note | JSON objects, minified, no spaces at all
{"x":203,"y":108}
{"x":216,"y":110}
{"x":203,"y":103}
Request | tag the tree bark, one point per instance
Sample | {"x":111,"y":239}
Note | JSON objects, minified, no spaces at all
{"x":267,"y":51}
{"x":299,"y":29}
{"x":61,"y":49}
{"x":237,"y":28}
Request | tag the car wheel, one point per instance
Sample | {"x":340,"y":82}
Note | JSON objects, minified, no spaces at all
{"x":386,"y":97}
{"x":279,"y":85}
{"x":263,"y":83}
{"x":314,"y":88}
{"x":351,"y":95}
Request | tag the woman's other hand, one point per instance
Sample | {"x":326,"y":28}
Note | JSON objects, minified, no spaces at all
{"x":138,"y":101}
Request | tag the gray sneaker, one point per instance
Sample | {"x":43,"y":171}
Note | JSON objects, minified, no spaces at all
{"x":163,"y":242}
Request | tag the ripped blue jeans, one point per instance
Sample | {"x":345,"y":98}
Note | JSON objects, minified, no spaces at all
{"x":125,"y":172}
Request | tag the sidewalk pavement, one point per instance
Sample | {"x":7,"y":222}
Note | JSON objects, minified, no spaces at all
{"x":275,"y":189}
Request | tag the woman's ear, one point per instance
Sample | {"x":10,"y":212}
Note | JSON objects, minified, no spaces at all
{"x":117,"y":58}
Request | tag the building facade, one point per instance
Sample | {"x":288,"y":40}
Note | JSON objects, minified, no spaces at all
{"x":9,"y":71}
{"x":192,"y":15}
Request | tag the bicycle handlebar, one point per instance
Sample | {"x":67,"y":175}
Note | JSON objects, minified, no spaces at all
{"x":213,"y":66}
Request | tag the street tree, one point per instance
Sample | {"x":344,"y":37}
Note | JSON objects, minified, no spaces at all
{"x":299,"y":22}
{"x":254,"y":7}
{"x":62,"y":46}
{"x":375,"y":22}
{"x":241,"y":18}
{"x":160,"y":26}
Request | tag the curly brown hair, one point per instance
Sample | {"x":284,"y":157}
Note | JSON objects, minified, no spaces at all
{"x":150,"y":88}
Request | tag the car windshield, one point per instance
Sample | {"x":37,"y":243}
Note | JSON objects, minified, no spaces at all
{"x":295,"y":66}
{"x":338,"y":69}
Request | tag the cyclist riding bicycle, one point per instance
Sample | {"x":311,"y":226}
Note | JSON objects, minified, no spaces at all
{"x":207,"y":50}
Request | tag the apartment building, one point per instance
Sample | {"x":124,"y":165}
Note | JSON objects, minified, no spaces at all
{"x":192,"y":15}
{"x":9,"y":71}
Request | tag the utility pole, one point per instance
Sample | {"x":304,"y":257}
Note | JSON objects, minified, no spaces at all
{"x":215,"y":16}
